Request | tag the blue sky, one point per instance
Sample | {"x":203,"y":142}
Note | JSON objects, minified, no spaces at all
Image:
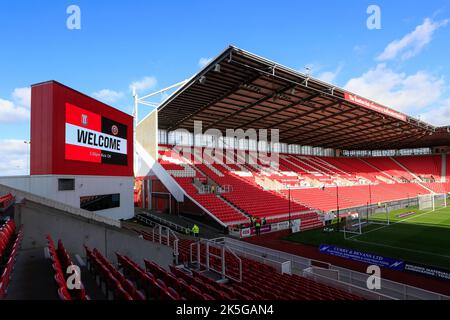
{"x":404,"y":65}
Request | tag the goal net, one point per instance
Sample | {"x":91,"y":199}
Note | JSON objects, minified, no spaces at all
{"x":360,"y":222}
{"x":353,"y":224}
{"x":432,"y":201}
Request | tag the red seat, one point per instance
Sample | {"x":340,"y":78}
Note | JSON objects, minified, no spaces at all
{"x":171,"y":294}
{"x":64,"y":294}
{"x":121,"y":294}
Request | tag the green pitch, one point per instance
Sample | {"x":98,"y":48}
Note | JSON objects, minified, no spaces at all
{"x":423,"y":237}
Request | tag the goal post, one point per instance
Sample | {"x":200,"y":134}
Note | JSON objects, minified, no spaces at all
{"x":380,"y":216}
{"x":358,"y":223}
{"x":439,"y":201}
{"x":432,"y":201}
{"x":353,"y":225}
{"x":425,"y":202}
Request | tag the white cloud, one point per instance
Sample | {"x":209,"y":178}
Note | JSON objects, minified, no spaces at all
{"x":22,"y":96}
{"x":330,"y":76}
{"x":407,"y":93}
{"x":421,"y":93}
{"x":18,"y":108}
{"x":15,"y":158}
{"x":107,"y":95}
{"x":203,"y":62}
{"x":439,"y":116}
{"x":10,"y":112}
{"x":145,"y":83}
{"x":412,"y":43}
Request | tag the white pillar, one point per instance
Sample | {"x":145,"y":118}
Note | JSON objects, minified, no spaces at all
{"x":135,"y":116}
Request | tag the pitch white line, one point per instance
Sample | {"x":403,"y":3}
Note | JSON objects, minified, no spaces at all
{"x":400,"y":221}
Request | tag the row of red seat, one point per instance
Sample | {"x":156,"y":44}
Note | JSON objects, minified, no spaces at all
{"x":249,"y":196}
{"x":429,"y":167}
{"x":153,"y":286}
{"x":160,"y":284}
{"x":6,"y":201}
{"x":266,"y":282}
{"x":9,"y":247}
{"x":260,"y":281}
{"x":349,"y":197}
{"x":113,"y":283}
{"x":210,"y":202}
{"x":438,"y":187}
{"x":61,"y":260}
{"x":245,"y":194}
{"x":213,"y":203}
{"x":214,"y":290}
{"x":352,"y":174}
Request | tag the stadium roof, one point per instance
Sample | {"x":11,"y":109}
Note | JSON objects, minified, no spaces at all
{"x":240,"y":90}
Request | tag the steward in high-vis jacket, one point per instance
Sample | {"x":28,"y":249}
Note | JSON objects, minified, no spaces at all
{"x":195,"y":230}
{"x":258,"y":227}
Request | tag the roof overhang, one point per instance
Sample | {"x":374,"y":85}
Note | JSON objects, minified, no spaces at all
{"x":240,"y":90}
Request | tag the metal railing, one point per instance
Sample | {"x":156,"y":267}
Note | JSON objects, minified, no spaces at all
{"x":162,"y":234}
{"x":168,"y":223}
{"x":223,"y":249}
{"x":262,"y":256}
{"x":389,"y":288}
{"x":208,"y":189}
{"x":350,"y":288}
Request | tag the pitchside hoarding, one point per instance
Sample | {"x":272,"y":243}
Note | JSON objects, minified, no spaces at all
{"x":91,"y":137}
{"x":432,"y":272}
{"x":390,"y":263}
{"x":365,"y":257}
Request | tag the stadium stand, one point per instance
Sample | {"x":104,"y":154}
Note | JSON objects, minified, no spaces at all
{"x":267,"y":283}
{"x":326,"y":199}
{"x":312,"y":182}
{"x":260,"y":281}
{"x":10,"y":242}
{"x":389,"y":167}
{"x":356,"y":167}
{"x":244,"y":195}
{"x":439,"y":187}
{"x":427,"y":168}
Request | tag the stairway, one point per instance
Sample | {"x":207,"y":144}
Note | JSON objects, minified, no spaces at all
{"x":233,"y":206}
{"x":406,"y":169}
{"x":382,"y":172}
